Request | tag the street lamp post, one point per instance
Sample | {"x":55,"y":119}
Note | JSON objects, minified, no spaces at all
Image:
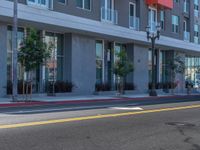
{"x":14,"y":68}
{"x":153,"y":35}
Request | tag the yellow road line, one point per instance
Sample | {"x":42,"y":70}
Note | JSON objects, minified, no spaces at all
{"x":9,"y":126}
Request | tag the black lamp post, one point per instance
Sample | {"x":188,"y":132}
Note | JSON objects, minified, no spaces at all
{"x":153,"y":35}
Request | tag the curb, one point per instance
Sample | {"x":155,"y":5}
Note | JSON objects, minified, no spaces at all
{"x":42,"y":103}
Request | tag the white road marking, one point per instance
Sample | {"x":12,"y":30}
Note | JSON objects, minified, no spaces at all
{"x":66,"y":109}
{"x":127,"y":108}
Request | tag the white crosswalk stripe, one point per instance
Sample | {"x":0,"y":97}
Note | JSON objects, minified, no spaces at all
{"x":127,"y":108}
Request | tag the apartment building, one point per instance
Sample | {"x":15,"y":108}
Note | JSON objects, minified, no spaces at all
{"x":88,"y":33}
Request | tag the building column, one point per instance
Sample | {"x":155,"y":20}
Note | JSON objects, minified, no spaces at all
{"x":3,"y":59}
{"x":141,"y":77}
{"x":80,"y":63}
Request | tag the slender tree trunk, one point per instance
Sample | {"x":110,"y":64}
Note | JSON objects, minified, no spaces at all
{"x":31,"y":85}
{"x":23,"y":84}
{"x":121,"y":85}
{"x":27,"y":85}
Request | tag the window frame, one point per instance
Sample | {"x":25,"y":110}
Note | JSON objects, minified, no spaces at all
{"x":83,"y":5}
{"x":175,"y":27}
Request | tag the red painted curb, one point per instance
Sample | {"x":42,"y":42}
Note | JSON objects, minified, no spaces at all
{"x":40,"y":103}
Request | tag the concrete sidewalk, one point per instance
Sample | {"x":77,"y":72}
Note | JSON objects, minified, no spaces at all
{"x":46,"y":100}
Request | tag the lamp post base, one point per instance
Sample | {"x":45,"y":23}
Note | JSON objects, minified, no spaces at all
{"x":153,"y":93}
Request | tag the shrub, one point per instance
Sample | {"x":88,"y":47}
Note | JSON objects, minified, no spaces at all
{"x":129,"y":86}
{"x":20,"y":87}
{"x":102,"y":87}
{"x":166,"y":85}
{"x":107,"y":86}
{"x":60,"y":87}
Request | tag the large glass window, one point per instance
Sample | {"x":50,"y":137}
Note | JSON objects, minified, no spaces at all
{"x":20,"y":37}
{"x":175,"y":23}
{"x":99,"y":62}
{"x":192,"y":70}
{"x":150,"y":65}
{"x":54,"y":67}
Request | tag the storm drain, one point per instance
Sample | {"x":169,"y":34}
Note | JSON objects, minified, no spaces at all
{"x":182,"y":124}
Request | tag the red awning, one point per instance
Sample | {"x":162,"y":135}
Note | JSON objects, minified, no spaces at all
{"x":161,"y":3}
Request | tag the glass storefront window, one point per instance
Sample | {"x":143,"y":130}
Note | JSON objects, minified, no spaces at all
{"x":99,"y":61}
{"x":192,"y":70}
{"x":10,"y":52}
{"x":54,"y":67}
{"x":150,"y":65}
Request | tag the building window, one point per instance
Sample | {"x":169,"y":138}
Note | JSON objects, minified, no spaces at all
{"x":84,"y":4}
{"x":152,"y":18}
{"x":175,"y":23}
{"x":62,"y":1}
{"x":176,"y":1}
{"x":20,"y":37}
{"x":186,"y":6}
{"x":54,"y":68}
{"x":196,"y":8}
{"x":162,"y":19}
{"x":43,"y":3}
{"x":99,"y":62}
{"x":192,"y":71}
{"x":196,"y":34}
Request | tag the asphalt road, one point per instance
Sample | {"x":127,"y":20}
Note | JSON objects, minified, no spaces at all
{"x":152,"y":125}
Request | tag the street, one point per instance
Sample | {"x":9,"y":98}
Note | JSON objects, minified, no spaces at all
{"x":127,"y":125}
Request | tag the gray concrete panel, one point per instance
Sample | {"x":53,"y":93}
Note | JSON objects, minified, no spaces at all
{"x":83,"y":64}
{"x":141,"y":77}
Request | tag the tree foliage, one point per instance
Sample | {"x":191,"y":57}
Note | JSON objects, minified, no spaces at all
{"x":123,"y":66}
{"x":176,"y":65}
{"x":33,"y":51}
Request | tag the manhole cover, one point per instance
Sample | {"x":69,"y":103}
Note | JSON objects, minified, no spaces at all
{"x":184,"y":124}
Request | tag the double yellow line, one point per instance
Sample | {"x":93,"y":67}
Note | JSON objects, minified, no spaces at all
{"x":9,"y":126}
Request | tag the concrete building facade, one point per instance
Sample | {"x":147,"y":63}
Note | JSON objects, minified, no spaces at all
{"x":89,"y":33}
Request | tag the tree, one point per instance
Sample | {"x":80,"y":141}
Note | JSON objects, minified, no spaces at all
{"x":122,"y":68}
{"x":176,"y":66}
{"x":32,"y":54}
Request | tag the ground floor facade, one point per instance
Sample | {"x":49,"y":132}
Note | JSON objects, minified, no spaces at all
{"x":83,"y":64}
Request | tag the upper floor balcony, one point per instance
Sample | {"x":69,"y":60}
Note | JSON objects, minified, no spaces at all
{"x":134,"y":23}
{"x":196,"y":13}
{"x":161,"y":3}
{"x":109,"y":15}
{"x":46,"y":4}
{"x":186,"y":36}
{"x":196,"y":40}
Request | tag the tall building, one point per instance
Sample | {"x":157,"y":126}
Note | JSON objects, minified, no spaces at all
{"x":88,"y":33}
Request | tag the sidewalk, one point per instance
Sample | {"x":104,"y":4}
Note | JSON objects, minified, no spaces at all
{"x":48,"y":100}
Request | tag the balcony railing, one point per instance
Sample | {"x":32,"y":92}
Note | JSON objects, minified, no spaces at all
{"x":153,"y":25}
{"x":47,"y":4}
{"x":134,"y":22}
{"x":186,"y":7}
{"x":196,"y":13}
{"x":109,"y":15}
{"x":196,"y":40}
{"x":186,"y":36}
